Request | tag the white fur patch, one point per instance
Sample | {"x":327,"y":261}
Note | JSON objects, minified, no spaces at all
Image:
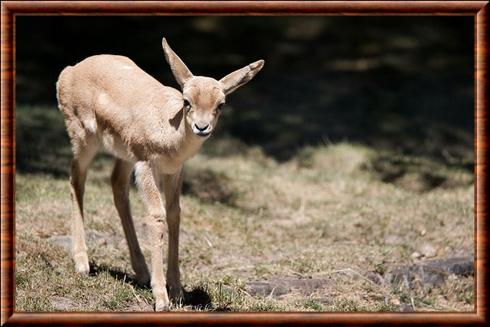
{"x":108,"y":141}
{"x":91,"y":125}
{"x":137,"y":172}
{"x":103,"y":99}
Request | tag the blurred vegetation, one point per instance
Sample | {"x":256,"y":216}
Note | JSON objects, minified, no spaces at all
{"x":399,"y":83}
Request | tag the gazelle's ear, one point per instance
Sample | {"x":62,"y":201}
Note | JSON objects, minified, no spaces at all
{"x":234,"y":80}
{"x":181,"y":73}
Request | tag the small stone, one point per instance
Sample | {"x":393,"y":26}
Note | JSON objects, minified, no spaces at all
{"x":404,"y":307}
{"x":416,"y":255}
{"x":60,"y":303}
{"x":277,"y":287}
{"x":428,"y":250}
{"x":91,"y":237}
{"x":375,"y":277}
{"x":61,"y":240}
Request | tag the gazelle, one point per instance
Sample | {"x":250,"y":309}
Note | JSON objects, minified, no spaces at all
{"x":109,"y":102}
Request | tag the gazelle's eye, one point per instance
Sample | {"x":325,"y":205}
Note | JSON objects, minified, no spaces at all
{"x":220,"y":106}
{"x":187,"y":105}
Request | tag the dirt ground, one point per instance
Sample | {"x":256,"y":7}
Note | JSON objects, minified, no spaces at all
{"x":336,"y":227}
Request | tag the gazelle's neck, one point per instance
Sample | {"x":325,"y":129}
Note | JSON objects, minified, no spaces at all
{"x":191,"y":143}
{"x":188,"y":144}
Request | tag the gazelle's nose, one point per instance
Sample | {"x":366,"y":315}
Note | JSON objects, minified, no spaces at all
{"x":201,"y":128}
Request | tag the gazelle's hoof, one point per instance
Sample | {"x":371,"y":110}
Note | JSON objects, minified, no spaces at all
{"x":81,"y":263}
{"x":162,"y":306}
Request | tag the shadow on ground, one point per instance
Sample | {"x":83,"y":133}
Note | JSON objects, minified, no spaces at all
{"x":197,"y":298}
{"x":418,"y":175}
{"x":116,"y":273}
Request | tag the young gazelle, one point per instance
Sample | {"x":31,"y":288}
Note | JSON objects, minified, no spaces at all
{"x":109,"y":102}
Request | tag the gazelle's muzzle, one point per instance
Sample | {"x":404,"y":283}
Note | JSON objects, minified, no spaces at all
{"x":202,"y":129}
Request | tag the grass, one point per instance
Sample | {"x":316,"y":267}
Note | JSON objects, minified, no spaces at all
{"x":333,"y":213}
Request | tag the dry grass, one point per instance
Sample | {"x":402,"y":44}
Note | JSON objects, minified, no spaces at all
{"x":334,"y":213}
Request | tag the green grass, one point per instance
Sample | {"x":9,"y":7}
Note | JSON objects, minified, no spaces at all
{"x":333,"y":212}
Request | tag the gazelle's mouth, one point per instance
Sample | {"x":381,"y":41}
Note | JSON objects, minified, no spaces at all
{"x":202,"y":134}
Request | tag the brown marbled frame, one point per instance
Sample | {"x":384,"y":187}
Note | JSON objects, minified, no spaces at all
{"x":10,"y":9}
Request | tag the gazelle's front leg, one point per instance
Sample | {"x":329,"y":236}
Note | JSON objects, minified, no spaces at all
{"x":147,"y":181}
{"x":171,"y":188}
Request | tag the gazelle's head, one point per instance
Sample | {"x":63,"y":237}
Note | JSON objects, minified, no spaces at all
{"x":204,"y":97}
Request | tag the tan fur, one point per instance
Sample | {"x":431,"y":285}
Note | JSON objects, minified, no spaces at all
{"x":110,"y":103}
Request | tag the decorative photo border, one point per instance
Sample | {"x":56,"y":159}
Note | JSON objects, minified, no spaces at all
{"x":11,"y":9}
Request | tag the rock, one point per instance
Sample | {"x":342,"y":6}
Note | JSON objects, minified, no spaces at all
{"x":60,"y":303}
{"x":267,"y":288}
{"x":375,"y":277}
{"x":97,"y":237}
{"x":428,"y":250}
{"x":61,"y":240}
{"x":280,"y":286}
{"x":405,"y":307}
{"x":91,"y":237}
{"x":460,"y":266}
{"x":416,"y":255}
{"x":433,"y":272}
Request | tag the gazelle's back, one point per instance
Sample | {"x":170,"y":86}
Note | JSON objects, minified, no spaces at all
{"x":111,"y":94}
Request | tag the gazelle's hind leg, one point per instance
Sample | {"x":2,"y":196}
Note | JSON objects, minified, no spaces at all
{"x":120,"y":188}
{"x":83,"y":154}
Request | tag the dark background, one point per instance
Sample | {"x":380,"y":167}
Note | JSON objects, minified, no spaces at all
{"x":399,"y":83}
